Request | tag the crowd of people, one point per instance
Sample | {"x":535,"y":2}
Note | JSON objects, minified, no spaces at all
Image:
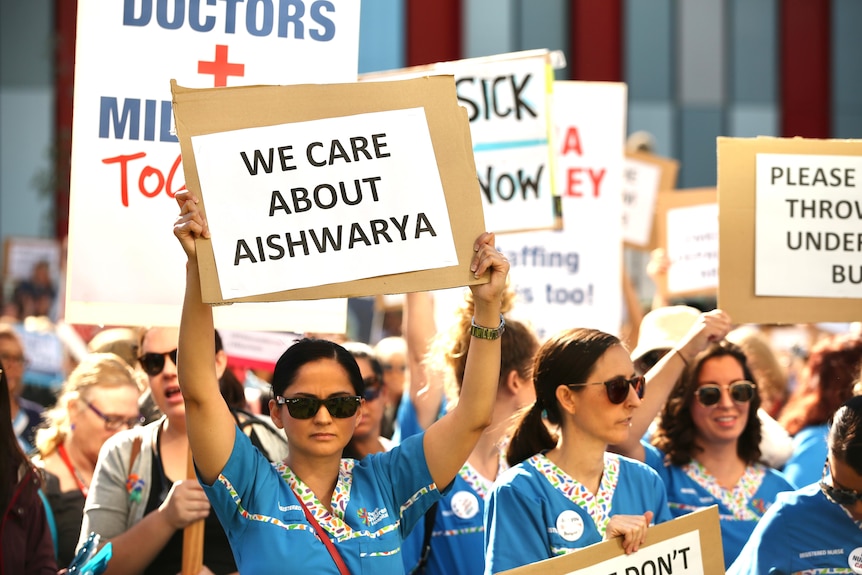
{"x":474,"y":449}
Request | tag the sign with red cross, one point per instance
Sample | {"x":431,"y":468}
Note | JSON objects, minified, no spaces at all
{"x":124,"y":265}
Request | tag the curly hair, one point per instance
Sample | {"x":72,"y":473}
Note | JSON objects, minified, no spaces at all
{"x":676,"y":434}
{"x":827,"y":382}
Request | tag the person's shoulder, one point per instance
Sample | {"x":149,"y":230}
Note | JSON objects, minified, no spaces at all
{"x":520,"y":475}
{"x":31,"y":408}
{"x":634,"y":466}
{"x":126,"y":438}
{"x":777,"y":479}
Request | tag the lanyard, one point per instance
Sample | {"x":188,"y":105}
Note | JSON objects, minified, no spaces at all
{"x":61,"y":449}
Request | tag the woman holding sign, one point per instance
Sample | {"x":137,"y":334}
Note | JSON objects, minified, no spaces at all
{"x":706,"y":446}
{"x":317,"y":513}
{"x":564,"y":493}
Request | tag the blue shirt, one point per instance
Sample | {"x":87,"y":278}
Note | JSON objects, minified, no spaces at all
{"x":803,"y":532}
{"x":458,"y":533}
{"x":691,"y":488}
{"x":805,"y":466}
{"x":376,"y":502}
{"x":536,"y":511}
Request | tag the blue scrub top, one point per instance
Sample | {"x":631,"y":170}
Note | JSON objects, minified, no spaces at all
{"x":536,"y":511}
{"x":691,"y":488}
{"x":376,"y":502}
{"x":803,"y":532}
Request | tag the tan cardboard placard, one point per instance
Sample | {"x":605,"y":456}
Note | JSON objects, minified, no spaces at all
{"x":737,"y":200}
{"x":669,"y":200}
{"x":213,"y":110}
{"x":590,"y":560}
{"x":669,"y":171}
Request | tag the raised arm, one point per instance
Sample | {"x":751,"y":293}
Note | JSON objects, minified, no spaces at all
{"x":449,"y":441}
{"x":426,"y":385}
{"x":208,"y":419}
{"x":712,"y":326}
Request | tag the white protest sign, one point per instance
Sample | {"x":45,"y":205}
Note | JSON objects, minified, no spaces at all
{"x":692,"y":248}
{"x":644,"y":176}
{"x":124,"y":266}
{"x":680,"y":555}
{"x":641,"y":181}
{"x":808,"y":217}
{"x":572,"y":277}
{"x":321,"y":196}
{"x":507,"y":98}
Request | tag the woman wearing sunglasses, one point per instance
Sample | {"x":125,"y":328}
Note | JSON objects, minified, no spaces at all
{"x":817,"y":529}
{"x":706,"y":445}
{"x":367,"y":437}
{"x":565,"y":491}
{"x":317,"y":512}
{"x":99,"y":398}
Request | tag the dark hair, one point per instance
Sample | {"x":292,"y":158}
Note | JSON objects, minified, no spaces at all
{"x":827,"y":382}
{"x":361,"y":350}
{"x":568,"y":357}
{"x":845,"y":434}
{"x":676,"y":432}
{"x":308,"y":350}
{"x":10,"y":451}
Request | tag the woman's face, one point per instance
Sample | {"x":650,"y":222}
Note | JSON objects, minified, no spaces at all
{"x":372,"y":409}
{"x":725,"y":421}
{"x":321,"y":435}
{"x":594,"y":413}
{"x":90,"y":431}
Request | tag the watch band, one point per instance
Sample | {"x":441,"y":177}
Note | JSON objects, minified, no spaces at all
{"x":487,"y":332}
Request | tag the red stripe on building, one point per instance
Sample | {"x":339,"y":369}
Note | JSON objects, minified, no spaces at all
{"x":596,"y":43}
{"x":65,"y":21}
{"x":433,"y":31}
{"x":805,"y":27}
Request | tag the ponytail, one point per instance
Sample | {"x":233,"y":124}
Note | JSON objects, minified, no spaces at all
{"x":530,"y":437}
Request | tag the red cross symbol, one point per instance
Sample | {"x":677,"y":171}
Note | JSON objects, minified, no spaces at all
{"x":221,"y":68}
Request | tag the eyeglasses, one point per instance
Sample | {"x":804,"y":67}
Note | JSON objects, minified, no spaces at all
{"x":372,"y":388}
{"x":710,"y":394}
{"x":307,"y":407}
{"x":154,"y":363}
{"x":836,"y":494}
{"x":391,"y":367}
{"x":115,"y":422}
{"x":618,"y":387}
{"x":14,"y":359}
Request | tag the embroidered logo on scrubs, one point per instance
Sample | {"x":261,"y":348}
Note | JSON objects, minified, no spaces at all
{"x":854,"y":561}
{"x":570,"y":525}
{"x":373,"y":517}
{"x":465,"y":505}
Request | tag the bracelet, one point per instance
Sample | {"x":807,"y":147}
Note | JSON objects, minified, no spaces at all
{"x":487,"y":332}
{"x":681,"y":356}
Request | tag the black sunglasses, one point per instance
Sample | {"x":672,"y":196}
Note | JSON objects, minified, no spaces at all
{"x":154,"y":363}
{"x":373,"y":388}
{"x":307,"y":407}
{"x":837,"y":495}
{"x":710,"y":394}
{"x":618,"y":387}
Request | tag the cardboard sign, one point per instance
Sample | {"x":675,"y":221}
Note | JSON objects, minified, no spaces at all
{"x":688,"y":545}
{"x":410,"y":143}
{"x":687,"y":227}
{"x":808,"y":216}
{"x":124,"y":265}
{"x":507,"y":98}
{"x":572,"y":277}
{"x":814,"y":248}
{"x":644,"y":176}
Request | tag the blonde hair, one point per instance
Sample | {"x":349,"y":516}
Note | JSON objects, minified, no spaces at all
{"x":96,"y":370}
